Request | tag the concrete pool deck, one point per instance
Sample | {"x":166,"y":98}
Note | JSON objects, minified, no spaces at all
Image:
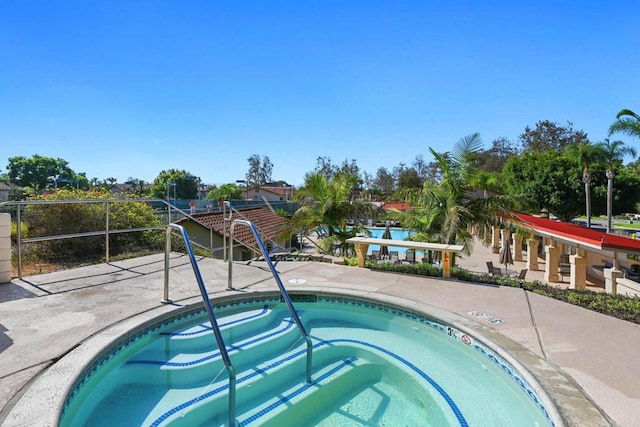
{"x":43,"y":318}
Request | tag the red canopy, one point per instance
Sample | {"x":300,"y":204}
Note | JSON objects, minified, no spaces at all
{"x":580,"y":235}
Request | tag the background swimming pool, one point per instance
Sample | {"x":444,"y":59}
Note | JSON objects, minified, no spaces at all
{"x":373,"y":365}
{"x":396,"y":234}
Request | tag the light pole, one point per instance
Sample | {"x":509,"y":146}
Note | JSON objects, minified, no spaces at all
{"x":586,"y":178}
{"x":169,"y":185}
{"x":609,"y":198}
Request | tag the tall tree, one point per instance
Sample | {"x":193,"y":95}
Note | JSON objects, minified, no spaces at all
{"x":627,"y":122}
{"x":37,"y":171}
{"x":384,"y":182}
{"x":614,"y":152}
{"x":444,"y":211}
{"x":494,"y":159}
{"x":225,"y":192}
{"x":174,"y":181}
{"x":138,"y":186}
{"x":409,"y":178}
{"x":325,"y":166}
{"x":260,"y":170}
{"x":329,"y":204}
{"x":547,"y":180}
{"x":585,"y":153}
{"x":549,"y":135}
{"x":421,"y":167}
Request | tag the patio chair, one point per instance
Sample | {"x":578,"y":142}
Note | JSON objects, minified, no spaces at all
{"x":394,"y":253}
{"x":410,"y":256}
{"x":494,"y":271}
{"x":520,"y":277}
{"x":376,"y":254}
{"x":523,"y":274}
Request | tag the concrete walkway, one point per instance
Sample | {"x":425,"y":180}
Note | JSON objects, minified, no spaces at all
{"x":585,"y":360}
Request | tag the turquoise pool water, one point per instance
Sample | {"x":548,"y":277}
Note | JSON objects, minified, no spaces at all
{"x":396,"y":234}
{"x":372,"y":365}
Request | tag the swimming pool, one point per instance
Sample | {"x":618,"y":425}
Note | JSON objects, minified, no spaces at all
{"x":373,"y":364}
{"x":396,"y":234}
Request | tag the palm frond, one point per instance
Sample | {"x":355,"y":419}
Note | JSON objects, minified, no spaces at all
{"x":626,"y":112}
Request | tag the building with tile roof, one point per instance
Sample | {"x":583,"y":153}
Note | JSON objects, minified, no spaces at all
{"x":207,"y":231}
{"x":269,"y":193}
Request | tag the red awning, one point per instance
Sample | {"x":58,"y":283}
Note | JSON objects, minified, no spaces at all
{"x":580,"y":235}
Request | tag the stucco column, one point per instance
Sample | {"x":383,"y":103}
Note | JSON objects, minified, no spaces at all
{"x":495,"y":239}
{"x":578,"y":279}
{"x":517,"y":248}
{"x":611,"y":276}
{"x":5,"y":248}
{"x":532,"y":255}
{"x":552,"y":256}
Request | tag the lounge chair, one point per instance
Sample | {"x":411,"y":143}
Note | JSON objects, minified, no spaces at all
{"x":494,"y":271}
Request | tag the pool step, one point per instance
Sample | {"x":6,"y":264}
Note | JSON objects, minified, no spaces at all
{"x":254,"y":405}
{"x":200,"y":338}
{"x":300,"y":404}
{"x":195,"y":369}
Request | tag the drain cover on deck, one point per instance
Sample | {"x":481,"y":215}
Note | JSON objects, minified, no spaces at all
{"x":297,"y":281}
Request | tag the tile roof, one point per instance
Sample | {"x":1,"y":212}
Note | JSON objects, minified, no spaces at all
{"x":401,"y":206}
{"x":268,"y":223}
{"x":581,"y":235}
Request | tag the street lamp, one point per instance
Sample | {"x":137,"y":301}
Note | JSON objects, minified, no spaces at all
{"x":586,"y":178}
{"x":169,"y":185}
{"x":609,"y":198}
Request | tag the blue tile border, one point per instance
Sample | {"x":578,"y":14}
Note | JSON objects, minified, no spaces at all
{"x":452,"y":405}
{"x":206,"y":329}
{"x":488,"y":353}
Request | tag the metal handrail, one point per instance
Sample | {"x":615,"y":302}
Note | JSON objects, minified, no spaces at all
{"x":227,"y":220}
{"x":107,"y":231}
{"x":283,"y":291}
{"x":207,"y":304}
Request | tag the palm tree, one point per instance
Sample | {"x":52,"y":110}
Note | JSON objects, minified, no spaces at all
{"x":329,"y":205}
{"x":627,"y":122}
{"x":614,"y":152}
{"x":445,"y":211}
{"x":585,"y":153}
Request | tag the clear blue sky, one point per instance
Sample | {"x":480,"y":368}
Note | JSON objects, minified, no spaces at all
{"x":127,"y":89}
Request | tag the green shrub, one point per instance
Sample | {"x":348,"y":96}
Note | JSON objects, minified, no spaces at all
{"x":71,"y":218}
{"x":619,"y":306}
{"x":24,"y":232}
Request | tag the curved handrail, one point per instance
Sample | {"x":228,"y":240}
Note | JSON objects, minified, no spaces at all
{"x":283,"y":291}
{"x":207,"y":304}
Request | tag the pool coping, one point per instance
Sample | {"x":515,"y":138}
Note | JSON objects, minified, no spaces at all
{"x":43,"y":400}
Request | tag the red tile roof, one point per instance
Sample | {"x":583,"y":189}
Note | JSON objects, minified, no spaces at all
{"x":401,"y":206}
{"x":268,"y":223}
{"x":580,"y":235}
